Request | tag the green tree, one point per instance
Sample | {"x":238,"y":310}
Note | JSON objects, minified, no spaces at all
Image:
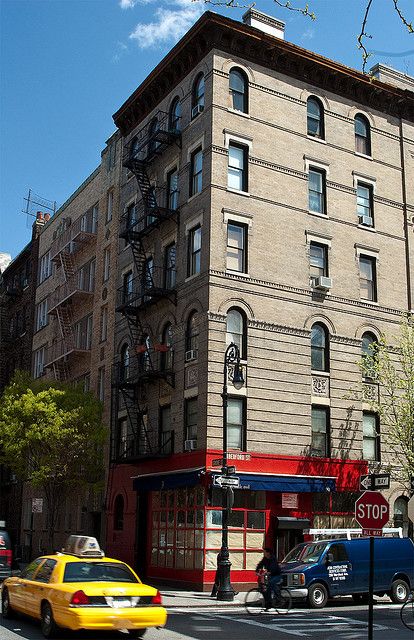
{"x":392,"y":368}
{"x":52,"y":437}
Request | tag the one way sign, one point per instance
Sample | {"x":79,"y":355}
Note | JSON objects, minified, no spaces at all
{"x":373,"y":481}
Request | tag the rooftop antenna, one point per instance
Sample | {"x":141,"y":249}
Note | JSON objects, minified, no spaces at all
{"x":35,"y":202}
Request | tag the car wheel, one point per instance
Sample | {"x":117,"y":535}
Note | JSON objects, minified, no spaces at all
{"x":317,"y":596}
{"x":399,"y":591}
{"x":137,"y":633}
{"x":6,"y":610}
{"x":47,"y":622}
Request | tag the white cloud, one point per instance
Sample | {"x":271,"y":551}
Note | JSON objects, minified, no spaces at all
{"x":169,"y":24}
{"x":308,"y":34}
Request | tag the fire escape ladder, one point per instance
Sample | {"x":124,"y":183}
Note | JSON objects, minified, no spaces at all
{"x":138,"y":440}
{"x":68,"y":265}
{"x":64,"y":317}
{"x":61,"y":371}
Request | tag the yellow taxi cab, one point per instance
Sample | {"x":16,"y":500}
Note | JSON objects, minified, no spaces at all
{"x":82,"y":589}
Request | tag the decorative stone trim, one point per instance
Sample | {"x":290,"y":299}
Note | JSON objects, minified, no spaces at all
{"x":370,"y":391}
{"x":279,"y":328}
{"x":216,"y":317}
{"x":320,"y":386}
{"x":351,"y":342}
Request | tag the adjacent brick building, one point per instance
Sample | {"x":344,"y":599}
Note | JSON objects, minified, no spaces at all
{"x":265,"y":200}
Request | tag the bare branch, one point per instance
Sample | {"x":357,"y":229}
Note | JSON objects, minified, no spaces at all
{"x":303,"y":10}
{"x":409,"y":25}
{"x":231,"y":4}
{"x":364,"y":34}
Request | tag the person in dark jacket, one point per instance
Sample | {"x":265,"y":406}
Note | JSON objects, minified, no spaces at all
{"x":270,"y":564}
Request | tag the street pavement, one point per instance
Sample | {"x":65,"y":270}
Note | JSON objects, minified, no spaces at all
{"x":196,"y":616}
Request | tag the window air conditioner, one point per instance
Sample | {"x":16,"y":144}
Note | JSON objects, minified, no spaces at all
{"x":366,"y":220}
{"x":199,"y":108}
{"x":191,"y":355}
{"x":322,"y":282}
{"x":190,"y":445}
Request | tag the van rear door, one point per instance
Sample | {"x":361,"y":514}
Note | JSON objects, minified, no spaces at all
{"x":338,"y":569}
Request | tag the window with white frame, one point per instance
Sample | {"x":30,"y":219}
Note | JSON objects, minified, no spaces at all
{"x":236,"y":247}
{"x":45,"y":267}
{"x":318,"y":260}
{"x":196,"y":171}
{"x":317,"y":190}
{"x":39,"y":362}
{"x":235,"y":422}
{"x":194,"y":251}
{"x":367,"y":278}
{"x":365,"y":203}
{"x":237,"y":176}
{"x":236,"y":330}
{"x":371,"y":441}
{"x":320,"y":432}
{"x":42,"y":318}
{"x":191,"y":418}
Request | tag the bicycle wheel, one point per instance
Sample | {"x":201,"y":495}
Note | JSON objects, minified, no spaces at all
{"x":283,"y":603}
{"x":407,"y":614}
{"x":254,"y":602}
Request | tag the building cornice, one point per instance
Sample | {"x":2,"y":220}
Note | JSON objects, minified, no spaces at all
{"x":213,"y":31}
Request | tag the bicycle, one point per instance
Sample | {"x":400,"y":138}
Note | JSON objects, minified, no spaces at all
{"x":255,"y":598}
{"x":407,"y":612}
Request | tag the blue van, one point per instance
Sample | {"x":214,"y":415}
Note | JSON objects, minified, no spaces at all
{"x":317,"y":571}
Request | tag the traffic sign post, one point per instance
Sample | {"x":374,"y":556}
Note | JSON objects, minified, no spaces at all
{"x":226,"y":481}
{"x":372,"y":481}
{"x":372,"y":512}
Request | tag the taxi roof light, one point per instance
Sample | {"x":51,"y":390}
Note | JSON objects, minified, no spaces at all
{"x":83,"y":547}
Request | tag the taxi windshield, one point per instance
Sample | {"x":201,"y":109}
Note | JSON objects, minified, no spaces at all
{"x":97,"y":572}
{"x":309,"y":553}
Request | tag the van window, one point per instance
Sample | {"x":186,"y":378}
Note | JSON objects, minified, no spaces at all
{"x":339,"y":552}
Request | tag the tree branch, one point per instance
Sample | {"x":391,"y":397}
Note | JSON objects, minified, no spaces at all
{"x":364,"y":34}
{"x":303,"y":10}
{"x":409,"y":25}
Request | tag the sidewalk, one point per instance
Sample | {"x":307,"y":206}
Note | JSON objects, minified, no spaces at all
{"x":177,"y":599}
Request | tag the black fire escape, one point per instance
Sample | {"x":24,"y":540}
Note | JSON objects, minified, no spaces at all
{"x":146,"y":361}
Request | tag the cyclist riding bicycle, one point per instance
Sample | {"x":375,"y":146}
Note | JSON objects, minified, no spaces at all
{"x":272,"y":568}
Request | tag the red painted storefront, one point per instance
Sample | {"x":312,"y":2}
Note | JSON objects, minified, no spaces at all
{"x":170,"y":524}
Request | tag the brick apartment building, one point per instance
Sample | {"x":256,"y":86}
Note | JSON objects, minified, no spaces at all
{"x":74,"y":320}
{"x":265,"y":199}
{"x":17,"y":301}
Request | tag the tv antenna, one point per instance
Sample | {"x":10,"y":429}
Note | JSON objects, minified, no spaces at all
{"x":34,"y":203}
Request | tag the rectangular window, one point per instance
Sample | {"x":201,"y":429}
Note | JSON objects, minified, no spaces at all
{"x":191,"y":418}
{"x":236,"y":247}
{"x":45,"y":267}
{"x":170,"y":266}
{"x":95,"y":213}
{"x":196,"y":172}
{"x":367,"y":278}
{"x":172,"y":189}
{"x":317,"y":190}
{"x":194,"y":251}
{"x":106,"y":264}
{"x":109,"y":206}
{"x":104,"y":324}
{"x":127,"y":287}
{"x":39,"y":362}
{"x":237,"y":169}
{"x":365,"y":208}
{"x":83,"y":333}
{"x":148,"y":277}
{"x":370,"y":442}
{"x":166,"y":442}
{"x":86,"y":276}
{"x":318,"y":260}
{"x":122,"y":437}
{"x":320,"y":432}
{"x":235,"y":423}
{"x":42,"y":318}
{"x":101,"y":384}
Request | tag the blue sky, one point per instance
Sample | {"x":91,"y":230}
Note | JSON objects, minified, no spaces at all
{"x":68,"y":65}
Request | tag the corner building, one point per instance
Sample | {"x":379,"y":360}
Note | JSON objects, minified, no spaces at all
{"x":265,"y":200}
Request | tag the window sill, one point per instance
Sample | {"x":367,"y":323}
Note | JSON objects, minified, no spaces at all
{"x":363,"y":155}
{"x":324,"y":374}
{"x":239,"y":113}
{"x":193,"y":196}
{"x":246,"y":194}
{"x":367,"y":228}
{"x":316,"y":139}
{"x":233,"y":272}
{"x":372,"y":302}
{"x":318,"y":215}
{"x":194,"y":275}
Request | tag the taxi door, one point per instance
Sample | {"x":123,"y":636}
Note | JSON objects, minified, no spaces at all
{"x":338,"y":569}
{"x":17,"y":589}
{"x":37,"y":587}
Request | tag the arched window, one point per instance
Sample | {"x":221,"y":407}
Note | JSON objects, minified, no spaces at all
{"x":316,"y":127}
{"x":175,"y":115}
{"x":236,"y":330}
{"x":362,"y":135}
{"x":153,"y":144}
{"x":192,"y":337}
{"x":319,"y":348}
{"x":167,"y":343}
{"x":144,"y":353}
{"x":368,"y":351}
{"x":198,"y":96}
{"x":401,"y":514}
{"x":125,"y":362}
{"x":238,"y":85}
{"x":119,"y":513}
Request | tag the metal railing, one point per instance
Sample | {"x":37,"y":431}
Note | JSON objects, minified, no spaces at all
{"x":156,"y":283}
{"x":145,"y":217}
{"x":144,"y":365}
{"x":134,"y":446}
{"x":150,"y":141}
{"x":68,"y":290}
{"x":63,"y":348}
{"x":81,"y":231}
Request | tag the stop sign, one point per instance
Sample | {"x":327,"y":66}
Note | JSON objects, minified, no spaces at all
{"x":372,"y":511}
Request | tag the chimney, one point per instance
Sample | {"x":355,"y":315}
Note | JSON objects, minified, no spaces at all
{"x":268,"y":24}
{"x":38,"y":224}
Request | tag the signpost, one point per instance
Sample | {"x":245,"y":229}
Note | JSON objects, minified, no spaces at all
{"x":373,"y":481}
{"x":372,"y":512}
{"x":226,"y":481}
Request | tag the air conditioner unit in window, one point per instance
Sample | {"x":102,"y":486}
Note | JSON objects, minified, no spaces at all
{"x":322,"y":282}
{"x":199,"y":108}
{"x":190,"y":445}
{"x":366,"y":220}
{"x":191,"y":355}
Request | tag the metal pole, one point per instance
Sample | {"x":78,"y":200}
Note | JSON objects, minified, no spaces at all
{"x":225,"y":590}
{"x":371,"y":589}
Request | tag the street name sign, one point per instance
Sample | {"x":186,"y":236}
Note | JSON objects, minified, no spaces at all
{"x":372,"y":512}
{"x":218,"y":462}
{"x":226,"y":481}
{"x":373,"y":481}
